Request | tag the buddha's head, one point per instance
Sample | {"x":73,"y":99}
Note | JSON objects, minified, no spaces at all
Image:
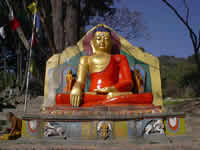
{"x":9,"y":116}
{"x":102,"y":40}
{"x":69,"y":72}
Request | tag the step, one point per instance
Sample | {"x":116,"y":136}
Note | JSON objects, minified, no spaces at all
{"x":3,"y":116}
{"x":3,"y":122}
{"x":5,"y":111}
{"x":33,"y":106}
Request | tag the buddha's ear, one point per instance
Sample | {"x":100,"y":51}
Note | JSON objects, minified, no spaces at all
{"x":92,"y":42}
{"x":92,"y":46}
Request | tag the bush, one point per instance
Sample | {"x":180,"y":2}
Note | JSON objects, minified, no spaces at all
{"x":191,"y":83}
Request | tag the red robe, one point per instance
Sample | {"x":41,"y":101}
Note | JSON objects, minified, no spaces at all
{"x":117,"y":74}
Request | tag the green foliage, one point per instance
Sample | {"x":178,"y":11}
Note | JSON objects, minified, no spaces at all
{"x":179,"y":77}
{"x":191,"y":59}
{"x":10,"y":80}
{"x":191,"y":80}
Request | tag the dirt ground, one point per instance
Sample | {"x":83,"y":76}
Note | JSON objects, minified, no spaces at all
{"x":192,"y":119}
{"x":190,"y":141}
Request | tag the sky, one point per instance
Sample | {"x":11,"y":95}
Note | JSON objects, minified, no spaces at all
{"x":168,"y":35}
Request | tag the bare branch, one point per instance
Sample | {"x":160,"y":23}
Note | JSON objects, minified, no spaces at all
{"x":188,"y":11}
{"x":126,"y":23}
{"x":194,"y":37}
{"x":193,"y":41}
{"x":198,"y":46}
{"x":181,"y":18}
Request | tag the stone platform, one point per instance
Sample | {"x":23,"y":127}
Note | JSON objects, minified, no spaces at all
{"x":104,"y":122}
{"x":139,"y":143}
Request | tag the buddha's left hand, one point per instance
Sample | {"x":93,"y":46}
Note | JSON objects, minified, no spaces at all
{"x":105,"y":90}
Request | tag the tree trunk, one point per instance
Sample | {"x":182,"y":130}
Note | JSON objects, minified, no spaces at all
{"x":66,"y":25}
{"x":18,"y":64}
{"x":5,"y":71}
{"x":71,"y":22}
{"x":21,"y":67}
{"x":4,"y":52}
{"x":58,"y":26}
{"x":19,"y":78}
{"x":196,"y":55}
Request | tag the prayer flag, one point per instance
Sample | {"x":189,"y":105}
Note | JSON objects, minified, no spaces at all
{"x":2,"y":32}
{"x":34,"y":40}
{"x":33,"y":7}
{"x":14,"y":24}
{"x":37,"y":22}
{"x":31,"y":66}
{"x":11,"y":13}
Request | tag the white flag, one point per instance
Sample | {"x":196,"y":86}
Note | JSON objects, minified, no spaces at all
{"x":11,"y":13}
{"x":2,"y":32}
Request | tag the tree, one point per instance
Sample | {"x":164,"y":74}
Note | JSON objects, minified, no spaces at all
{"x":61,"y":22}
{"x":64,"y":20}
{"x":123,"y":21}
{"x":16,"y":56}
{"x":179,"y":76}
{"x":195,"y":37}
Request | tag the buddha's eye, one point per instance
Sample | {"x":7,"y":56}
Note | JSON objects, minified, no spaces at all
{"x":106,"y":38}
{"x":98,"y":38}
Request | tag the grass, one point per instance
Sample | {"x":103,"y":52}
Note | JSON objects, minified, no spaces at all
{"x":175,"y":101}
{"x":166,"y":102}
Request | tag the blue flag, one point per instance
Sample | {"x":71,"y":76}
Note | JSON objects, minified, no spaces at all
{"x":37,"y":22}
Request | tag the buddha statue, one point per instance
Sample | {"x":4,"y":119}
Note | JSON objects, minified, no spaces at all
{"x":111,"y":81}
{"x":139,"y":81}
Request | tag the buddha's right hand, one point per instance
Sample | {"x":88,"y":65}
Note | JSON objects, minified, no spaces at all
{"x":76,"y":95}
{"x":105,"y":90}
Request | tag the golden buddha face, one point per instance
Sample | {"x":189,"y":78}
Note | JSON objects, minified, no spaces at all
{"x":102,"y":42}
{"x":69,"y":72}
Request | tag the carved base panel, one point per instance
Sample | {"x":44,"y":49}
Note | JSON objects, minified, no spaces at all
{"x":32,"y":128}
{"x":104,"y":124}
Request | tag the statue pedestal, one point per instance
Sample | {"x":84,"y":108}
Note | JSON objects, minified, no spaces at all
{"x":109,"y":122}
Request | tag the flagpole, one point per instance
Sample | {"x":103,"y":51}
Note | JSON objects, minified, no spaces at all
{"x":11,"y":17}
{"x":29,"y":62}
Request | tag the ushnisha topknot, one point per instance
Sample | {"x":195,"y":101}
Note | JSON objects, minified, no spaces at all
{"x":101,"y":29}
